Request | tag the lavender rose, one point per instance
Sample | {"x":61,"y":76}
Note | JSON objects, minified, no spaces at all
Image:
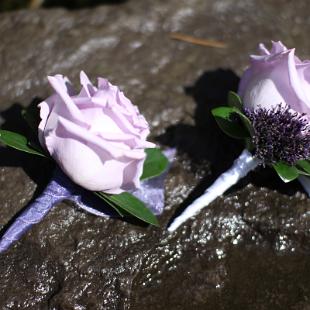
{"x":275,"y":90}
{"x":276,"y":77}
{"x":97,"y":136}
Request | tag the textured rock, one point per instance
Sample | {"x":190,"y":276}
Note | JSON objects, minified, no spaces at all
{"x":248,"y":250}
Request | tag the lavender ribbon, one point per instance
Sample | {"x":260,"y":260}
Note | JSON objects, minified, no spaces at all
{"x":62,"y":188}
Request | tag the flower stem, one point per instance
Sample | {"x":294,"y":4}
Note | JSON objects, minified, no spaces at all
{"x":34,"y":213}
{"x":240,"y":168}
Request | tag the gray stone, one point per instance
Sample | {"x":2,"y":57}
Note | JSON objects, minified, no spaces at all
{"x":248,"y":250}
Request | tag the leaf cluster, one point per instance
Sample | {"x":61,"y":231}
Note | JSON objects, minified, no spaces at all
{"x":236,"y":124}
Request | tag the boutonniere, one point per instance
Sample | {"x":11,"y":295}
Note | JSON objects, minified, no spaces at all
{"x":271,"y":114}
{"x":97,"y":138}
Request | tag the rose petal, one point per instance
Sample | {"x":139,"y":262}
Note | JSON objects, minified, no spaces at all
{"x":278,"y":47}
{"x":304,"y":101}
{"x":88,"y":87}
{"x":263,"y":50}
{"x":88,"y":138}
{"x":45,"y":109}
{"x":59,"y":85}
{"x":85,"y":166}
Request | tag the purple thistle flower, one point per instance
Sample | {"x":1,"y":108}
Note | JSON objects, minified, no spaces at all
{"x":280,"y":134}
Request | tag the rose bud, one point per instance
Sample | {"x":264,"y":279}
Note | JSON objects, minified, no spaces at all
{"x":276,"y":77}
{"x":275,"y":90}
{"x":97,"y":136}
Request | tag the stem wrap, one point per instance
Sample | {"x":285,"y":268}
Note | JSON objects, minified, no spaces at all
{"x":240,"y":168}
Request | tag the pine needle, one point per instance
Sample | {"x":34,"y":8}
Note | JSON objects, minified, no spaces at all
{"x":197,"y":41}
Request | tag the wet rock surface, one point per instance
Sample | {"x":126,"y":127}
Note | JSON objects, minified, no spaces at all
{"x":248,"y":250}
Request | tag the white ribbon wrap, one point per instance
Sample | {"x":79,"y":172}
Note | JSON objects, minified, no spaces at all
{"x":240,"y":168}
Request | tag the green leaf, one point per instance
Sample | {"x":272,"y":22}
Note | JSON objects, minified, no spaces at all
{"x":19,"y":142}
{"x":133,"y":206}
{"x":249,"y":145}
{"x":104,"y":198}
{"x":286,"y":173}
{"x":246,"y":122}
{"x":37,"y":148}
{"x":32,"y":117}
{"x":230,"y":125}
{"x":304,"y":165}
{"x":234,"y":100}
{"x":155,"y":163}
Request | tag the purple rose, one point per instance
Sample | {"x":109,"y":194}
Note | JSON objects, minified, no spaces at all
{"x":276,"y":77}
{"x":97,"y":136}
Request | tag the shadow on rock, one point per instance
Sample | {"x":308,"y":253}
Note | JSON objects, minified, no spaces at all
{"x":39,"y":169}
{"x":205,"y":143}
{"x":201,"y":142}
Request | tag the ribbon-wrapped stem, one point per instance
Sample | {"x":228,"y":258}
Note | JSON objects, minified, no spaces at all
{"x":35,"y":212}
{"x":240,"y":168}
{"x":62,"y":188}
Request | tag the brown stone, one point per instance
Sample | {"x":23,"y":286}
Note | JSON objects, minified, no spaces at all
{"x":248,"y":250}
